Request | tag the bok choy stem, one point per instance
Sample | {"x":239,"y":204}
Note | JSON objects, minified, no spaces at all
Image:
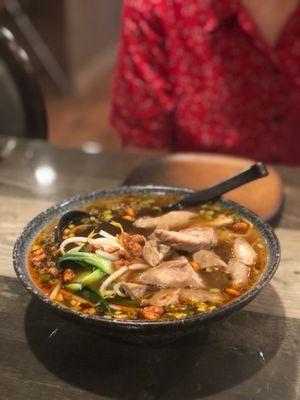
{"x":88,"y":294}
{"x":92,"y":277}
{"x":94,"y":297}
{"x":88,"y":259}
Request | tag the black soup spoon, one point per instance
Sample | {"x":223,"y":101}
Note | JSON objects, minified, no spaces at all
{"x":256,"y":171}
{"x":67,"y":219}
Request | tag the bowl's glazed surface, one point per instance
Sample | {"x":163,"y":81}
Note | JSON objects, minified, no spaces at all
{"x":140,"y":330}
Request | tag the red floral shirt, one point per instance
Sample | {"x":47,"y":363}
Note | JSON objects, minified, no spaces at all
{"x":196,"y":75}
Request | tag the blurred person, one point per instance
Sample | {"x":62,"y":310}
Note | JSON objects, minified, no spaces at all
{"x":210,"y":75}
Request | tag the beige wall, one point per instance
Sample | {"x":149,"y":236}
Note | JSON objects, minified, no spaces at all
{"x":91,"y":27}
{"x":82,"y":34}
{"x":91,"y":34}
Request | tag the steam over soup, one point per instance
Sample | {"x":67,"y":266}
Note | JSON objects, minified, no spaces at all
{"x":128,"y":260}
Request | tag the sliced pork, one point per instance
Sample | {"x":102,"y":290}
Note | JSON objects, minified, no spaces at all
{"x":171,"y":220}
{"x":165,"y":297}
{"x":239,"y":272}
{"x":136,"y":290}
{"x":172,"y":274}
{"x":208,"y":259}
{"x":244,"y":252}
{"x":188,"y":239}
{"x":215,"y":278}
{"x":154,"y":252}
{"x":196,"y":295}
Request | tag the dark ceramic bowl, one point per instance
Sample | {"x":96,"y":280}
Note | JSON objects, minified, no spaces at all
{"x":141,"y":331}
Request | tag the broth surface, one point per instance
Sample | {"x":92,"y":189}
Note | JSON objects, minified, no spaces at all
{"x":127,"y":260}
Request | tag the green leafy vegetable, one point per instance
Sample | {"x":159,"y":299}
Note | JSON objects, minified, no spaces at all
{"x":125,"y":301}
{"x":156,"y":208}
{"x":146,"y":197}
{"x":117,"y":225}
{"x":106,"y":215}
{"x":88,"y":294}
{"x":95,"y":298}
{"x":214,"y":290}
{"x":86,"y":259}
{"x":207,"y":215}
{"x":92,"y":277}
{"x":46,"y":278}
{"x":74,"y":287}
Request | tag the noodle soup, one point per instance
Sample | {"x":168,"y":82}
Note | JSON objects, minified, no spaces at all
{"x":127,"y":260}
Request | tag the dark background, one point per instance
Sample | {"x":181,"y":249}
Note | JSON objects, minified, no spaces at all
{"x":82,"y":37}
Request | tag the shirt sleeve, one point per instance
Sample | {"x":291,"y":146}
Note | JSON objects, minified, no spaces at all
{"x":141,"y":108}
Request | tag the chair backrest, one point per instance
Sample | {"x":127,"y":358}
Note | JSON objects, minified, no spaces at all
{"x":22,"y":107}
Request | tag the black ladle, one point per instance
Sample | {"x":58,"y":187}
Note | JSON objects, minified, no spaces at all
{"x":256,"y":171}
{"x":66,"y":220}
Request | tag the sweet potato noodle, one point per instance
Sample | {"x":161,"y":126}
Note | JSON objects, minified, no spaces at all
{"x":128,"y":260}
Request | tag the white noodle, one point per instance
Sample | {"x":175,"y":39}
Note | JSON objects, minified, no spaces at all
{"x":107,"y":235}
{"x":136,"y":267}
{"x":74,"y":239}
{"x":106,"y":242}
{"x":117,"y":290}
{"x":109,"y":293}
{"x":110,"y":279}
{"x":55,"y":291}
{"x":115,"y":307}
{"x":106,"y":255}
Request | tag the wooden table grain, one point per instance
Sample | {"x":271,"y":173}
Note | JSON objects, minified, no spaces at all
{"x":254,"y":354}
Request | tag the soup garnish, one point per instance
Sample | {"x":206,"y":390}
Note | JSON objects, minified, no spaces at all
{"x":127,"y":260}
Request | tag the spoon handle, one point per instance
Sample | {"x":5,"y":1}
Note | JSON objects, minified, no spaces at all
{"x":252,"y":173}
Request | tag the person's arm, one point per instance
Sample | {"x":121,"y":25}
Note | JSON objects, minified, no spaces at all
{"x":141,"y":109}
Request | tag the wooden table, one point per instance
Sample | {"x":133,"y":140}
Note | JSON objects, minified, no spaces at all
{"x":254,"y":354}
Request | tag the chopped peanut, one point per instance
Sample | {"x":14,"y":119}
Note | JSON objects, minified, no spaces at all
{"x":128,"y":218}
{"x":112,"y":249}
{"x":195,"y":265}
{"x":120,"y":263}
{"x":240,"y":227}
{"x":40,"y":257}
{"x":232,"y":292}
{"x":124,"y":254}
{"x":68,"y":275}
{"x":152,"y":312}
{"x":129,"y":211}
{"x":38,"y":252}
{"x":59,"y":297}
{"x":43,"y":270}
{"x":53,"y":271}
{"x":132,"y":243}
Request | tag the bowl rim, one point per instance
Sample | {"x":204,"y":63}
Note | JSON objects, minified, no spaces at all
{"x":33,"y":227}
